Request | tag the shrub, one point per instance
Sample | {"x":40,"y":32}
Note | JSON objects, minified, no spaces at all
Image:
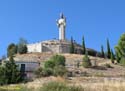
{"x":57,"y":86}
{"x":108,"y":65}
{"x":47,"y":72}
{"x":54,"y":66}
{"x":59,"y":71}
{"x":43,"y":72}
{"x":58,"y":60}
{"x":122,"y":61}
{"x":86,"y":61}
{"x":39,"y":72}
{"x":49,"y":64}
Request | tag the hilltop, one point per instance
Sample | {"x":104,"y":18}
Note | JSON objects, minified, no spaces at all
{"x":71,"y":62}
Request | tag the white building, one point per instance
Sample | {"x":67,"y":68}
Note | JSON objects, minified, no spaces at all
{"x":55,"y":46}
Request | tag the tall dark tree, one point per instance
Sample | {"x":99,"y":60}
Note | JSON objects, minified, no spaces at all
{"x":11,"y":50}
{"x":72,"y":47}
{"x":83,"y":45}
{"x":102,"y":51}
{"x":108,"y":49}
{"x":22,"y":48}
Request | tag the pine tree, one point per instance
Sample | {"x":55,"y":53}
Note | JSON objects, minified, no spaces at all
{"x":83,"y":45}
{"x":120,"y":50}
{"x":108,"y":49}
{"x":72,"y":48}
{"x":10,"y":73}
{"x":102,"y":51}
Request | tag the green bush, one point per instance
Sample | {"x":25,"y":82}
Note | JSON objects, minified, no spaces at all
{"x":122,"y":61}
{"x":57,"y":86}
{"x":86,"y":61}
{"x":43,"y":72}
{"x":49,"y":64}
{"x":54,"y":66}
{"x":47,"y":72}
{"x":58,"y":60}
{"x":39,"y":72}
{"x":59,"y":71}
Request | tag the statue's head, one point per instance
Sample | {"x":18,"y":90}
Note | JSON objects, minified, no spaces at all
{"x":61,"y":15}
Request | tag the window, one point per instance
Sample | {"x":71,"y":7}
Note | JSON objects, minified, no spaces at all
{"x":22,"y":69}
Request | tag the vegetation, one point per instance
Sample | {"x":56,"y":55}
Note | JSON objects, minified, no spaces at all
{"x":120,"y":50}
{"x":106,"y":85}
{"x":91,"y":52}
{"x":39,"y":72}
{"x":102,"y":51}
{"x":83,"y":46}
{"x":108,"y":49}
{"x":117,"y":57}
{"x":112,"y":57}
{"x":9,"y":73}
{"x":53,"y":66}
{"x":22,"y":48}
{"x":122,"y":61}
{"x":108,"y":65}
{"x":72,"y":47}
{"x":86,"y":61}
{"x":59,"y":71}
{"x":58,"y":86}
{"x":11,"y":50}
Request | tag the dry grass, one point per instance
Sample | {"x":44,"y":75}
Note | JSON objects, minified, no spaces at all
{"x":107,"y":86}
{"x":88,"y":84}
{"x":101,"y":85}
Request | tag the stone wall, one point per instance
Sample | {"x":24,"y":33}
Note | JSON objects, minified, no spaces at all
{"x":53,"y":46}
{"x":64,"y":48}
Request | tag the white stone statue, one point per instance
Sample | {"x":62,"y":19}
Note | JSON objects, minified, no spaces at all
{"x":61,"y":23}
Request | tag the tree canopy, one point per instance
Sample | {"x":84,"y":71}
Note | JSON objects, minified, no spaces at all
{"x":120,"y":49}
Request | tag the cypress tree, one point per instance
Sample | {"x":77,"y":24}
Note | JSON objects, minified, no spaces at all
{"x":108,"y":49}
{"x":83,"y":45}
{"x":102,"y":51}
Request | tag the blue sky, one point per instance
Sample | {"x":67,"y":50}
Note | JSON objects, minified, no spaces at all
{"x":35,"y":20}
